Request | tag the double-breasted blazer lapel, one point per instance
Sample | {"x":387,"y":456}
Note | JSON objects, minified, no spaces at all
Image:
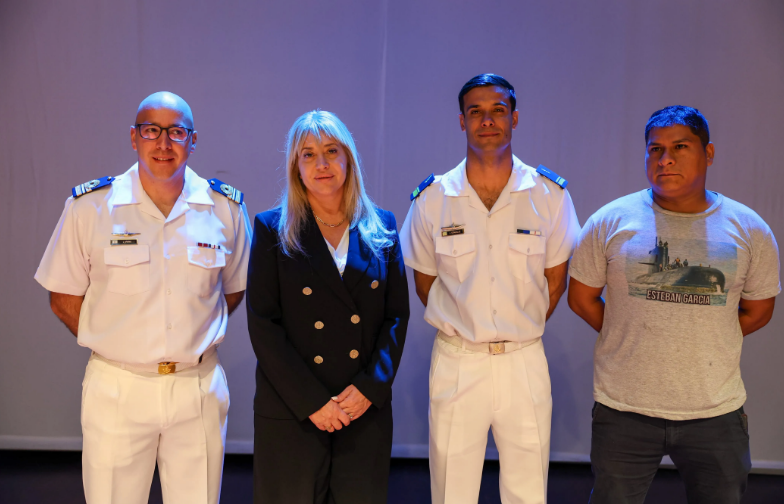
{"x":357,"y":262}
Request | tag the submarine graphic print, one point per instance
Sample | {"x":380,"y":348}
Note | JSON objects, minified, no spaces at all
{"x":669,"y":273}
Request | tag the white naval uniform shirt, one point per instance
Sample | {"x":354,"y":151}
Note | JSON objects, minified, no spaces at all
{"x":162,"y":298}
{"x":491,"y":284}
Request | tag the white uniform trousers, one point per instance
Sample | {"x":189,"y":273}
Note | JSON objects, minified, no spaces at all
{"x":471,"y":392}
{"x":130,"y":420}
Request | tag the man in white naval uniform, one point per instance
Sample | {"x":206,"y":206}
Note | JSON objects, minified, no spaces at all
{"x":489,"y":243}
{"x":144,"y":269}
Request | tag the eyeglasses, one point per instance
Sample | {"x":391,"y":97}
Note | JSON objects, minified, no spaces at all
{"x":153,"y":131}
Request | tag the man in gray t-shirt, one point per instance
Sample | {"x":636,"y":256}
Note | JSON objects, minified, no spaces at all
{"x":688,"y":273}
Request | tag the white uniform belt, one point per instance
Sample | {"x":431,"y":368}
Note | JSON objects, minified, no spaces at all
{"x":493,"y":347}
{"x":159,"y":368}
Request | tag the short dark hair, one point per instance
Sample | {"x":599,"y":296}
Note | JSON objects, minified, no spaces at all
{"x":487,"y":79}
{"x":679,"y":114}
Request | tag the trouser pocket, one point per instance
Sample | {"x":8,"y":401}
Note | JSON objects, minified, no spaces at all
{"x":744,"y":420}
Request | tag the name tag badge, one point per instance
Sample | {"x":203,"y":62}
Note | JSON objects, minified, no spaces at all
{"x":123,"y":242}
{"x":529,"y":232}
{"x":453,"y":229}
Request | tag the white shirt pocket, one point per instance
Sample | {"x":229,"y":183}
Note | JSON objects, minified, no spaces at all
{"x":455,"y":255}
{"x":204,"y":266}
{"x":526,"y":256}
{"x":128,"y":268}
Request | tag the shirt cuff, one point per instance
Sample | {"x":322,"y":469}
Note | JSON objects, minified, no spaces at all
{"x":757,"y":296}
{"x":234,"y":286}
{"x":53,"y":285}
{"x":420,"y":268}
{"x":557,"y":260}
{"x":583,"y":280}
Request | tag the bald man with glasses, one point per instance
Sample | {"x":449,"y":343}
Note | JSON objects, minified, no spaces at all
{"x":144,"y":269}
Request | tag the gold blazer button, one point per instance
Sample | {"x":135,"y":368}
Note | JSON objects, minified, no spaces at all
{"x":353,"y":354}
{"x":319,"y":324}
{"x":318,"y":359}
{"x":374,"y":284}
{"x":355,"y":319}
{"x":307,"y":291}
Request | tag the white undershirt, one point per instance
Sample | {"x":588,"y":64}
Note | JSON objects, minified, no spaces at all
{"x":340,"y":254}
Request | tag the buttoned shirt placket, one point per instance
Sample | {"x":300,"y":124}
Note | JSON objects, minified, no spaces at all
{"x":169,"y":239}
{"x":496,"y":230}
{"x":159,"y":268}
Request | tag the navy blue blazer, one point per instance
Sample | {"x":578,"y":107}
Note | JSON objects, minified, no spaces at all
{"x":315,"y":333}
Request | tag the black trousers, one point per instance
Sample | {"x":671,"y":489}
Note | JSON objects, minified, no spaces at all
{"x":295,"y":463}
{"x":711,"y":454}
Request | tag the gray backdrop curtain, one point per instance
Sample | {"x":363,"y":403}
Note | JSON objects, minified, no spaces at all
{"x":588,"y":75}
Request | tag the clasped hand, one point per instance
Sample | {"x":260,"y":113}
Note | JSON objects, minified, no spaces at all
{"x":341,"y":410}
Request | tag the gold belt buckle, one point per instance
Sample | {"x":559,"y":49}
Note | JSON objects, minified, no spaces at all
{"x":498,"y":347}
{"x":167,"y":367}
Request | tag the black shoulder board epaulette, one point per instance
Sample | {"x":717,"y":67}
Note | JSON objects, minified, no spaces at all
{"x":91,"y":186}
{"x":421,"y":187}
{"x":546,"y":172}
{"x":226,"y":190}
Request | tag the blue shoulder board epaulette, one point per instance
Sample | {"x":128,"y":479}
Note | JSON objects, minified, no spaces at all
{"x":546,"y":172}
{"x":91,"y":186}
{"x":226,"y":190}
{"x":421,"y":187}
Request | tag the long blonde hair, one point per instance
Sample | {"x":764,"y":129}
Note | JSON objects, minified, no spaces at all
{"x":294,"y":205}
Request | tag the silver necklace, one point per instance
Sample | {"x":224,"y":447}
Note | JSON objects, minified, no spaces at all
{"x":329,"y":225}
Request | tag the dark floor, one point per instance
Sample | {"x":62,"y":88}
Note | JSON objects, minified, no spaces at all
{"x":34,"y":477}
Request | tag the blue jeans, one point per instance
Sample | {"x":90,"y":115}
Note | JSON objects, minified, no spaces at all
{"x":711,"y":454}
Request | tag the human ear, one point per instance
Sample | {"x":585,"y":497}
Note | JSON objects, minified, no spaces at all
{"x":133,"y":137}
{"x":194,"y":136}
{"x":710,"y":152}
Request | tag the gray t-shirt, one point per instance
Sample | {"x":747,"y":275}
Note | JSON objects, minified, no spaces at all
{"x":671,"y":341}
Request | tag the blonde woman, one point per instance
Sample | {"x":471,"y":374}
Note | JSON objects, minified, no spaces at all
{"x":327,"y":315}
